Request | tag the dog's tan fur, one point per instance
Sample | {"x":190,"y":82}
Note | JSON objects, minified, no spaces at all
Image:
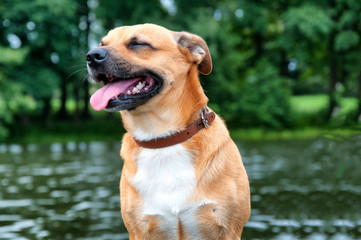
{"x":221,"y":184}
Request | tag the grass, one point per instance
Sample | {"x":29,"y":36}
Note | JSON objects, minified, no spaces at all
{"x":348,"y":105}
{"x":105,"y":127}
{"x":98,"y":128}
{"x":256,"y":134}
{"x":313,"y":104}
{"x":309,"y":104}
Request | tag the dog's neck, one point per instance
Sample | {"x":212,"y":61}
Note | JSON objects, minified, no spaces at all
{"x":172,"y":114}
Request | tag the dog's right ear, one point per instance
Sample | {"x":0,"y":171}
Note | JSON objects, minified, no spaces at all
{"x":197,"y":47}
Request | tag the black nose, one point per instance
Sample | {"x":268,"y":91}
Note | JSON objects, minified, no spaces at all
{"x":96,"y":57}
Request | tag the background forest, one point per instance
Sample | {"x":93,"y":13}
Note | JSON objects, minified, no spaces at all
{"x":277,"y":64}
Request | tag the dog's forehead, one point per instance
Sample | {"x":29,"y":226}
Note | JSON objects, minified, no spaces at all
{"x":144,"y":32}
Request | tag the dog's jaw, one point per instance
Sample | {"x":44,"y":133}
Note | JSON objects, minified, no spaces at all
{"x":159,"y":120}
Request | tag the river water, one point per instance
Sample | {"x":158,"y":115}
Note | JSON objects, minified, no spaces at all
{"x":300,"y":190}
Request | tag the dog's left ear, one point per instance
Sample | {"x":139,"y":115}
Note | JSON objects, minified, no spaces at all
{"x":198,"y":49}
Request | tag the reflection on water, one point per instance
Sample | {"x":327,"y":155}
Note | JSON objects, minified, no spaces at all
{"x":300,"y":190}
{"x":304,"y":189}
{"x":60,"y":191}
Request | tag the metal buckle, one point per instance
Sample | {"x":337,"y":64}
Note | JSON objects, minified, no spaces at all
{"x":204,"y":121}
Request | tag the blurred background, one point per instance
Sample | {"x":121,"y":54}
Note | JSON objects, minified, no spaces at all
{"x":286,"y":78}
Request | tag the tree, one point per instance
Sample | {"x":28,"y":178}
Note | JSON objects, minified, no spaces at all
{"x":12,"y":98}
{"x":32,"y":25}
{"x":261,"y":50}
{"x":244,"y":65}
{"x":44,"y":27}
{"x":119,"y":13}
{"x":328,"y":31}
{"x":348,"y":45}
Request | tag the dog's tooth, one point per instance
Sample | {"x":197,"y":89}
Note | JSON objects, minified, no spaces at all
{"x":129,"y":92}
{"x":140,"y":86}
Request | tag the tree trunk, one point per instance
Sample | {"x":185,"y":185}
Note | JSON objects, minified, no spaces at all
{"x":77,"y":100}
{"x":86,"y":113}
{"x":62,"y":114}
{"x":333,"y":67}
{"x":46,"y":110}
{"x":332,"y":102}
{"x":358,"y":115}
{"x":258,"y":40}
{"x":283,"y":63}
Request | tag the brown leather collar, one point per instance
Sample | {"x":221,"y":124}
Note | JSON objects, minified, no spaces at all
{"x":204,"y":121}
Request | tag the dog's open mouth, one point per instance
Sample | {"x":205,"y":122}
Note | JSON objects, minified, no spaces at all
{"x":124,"y":93}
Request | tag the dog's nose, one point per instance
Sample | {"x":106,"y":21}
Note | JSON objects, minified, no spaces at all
{"x":96,"y":57}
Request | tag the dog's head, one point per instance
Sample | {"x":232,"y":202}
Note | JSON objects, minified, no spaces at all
{"x":138,"y":64}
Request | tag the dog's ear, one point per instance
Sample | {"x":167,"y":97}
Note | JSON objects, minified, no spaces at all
{"x":198,"y":49}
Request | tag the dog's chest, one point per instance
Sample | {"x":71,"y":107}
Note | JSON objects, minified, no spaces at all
{"x":165,"y":179}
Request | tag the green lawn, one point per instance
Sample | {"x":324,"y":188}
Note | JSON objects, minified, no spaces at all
{"x":256,"y":134}
{"x":348,"y":105}
{"x":309,"y":104}
{"x":313,"y":104}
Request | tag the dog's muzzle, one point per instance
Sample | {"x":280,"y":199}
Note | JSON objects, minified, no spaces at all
{"x":123,"y":88}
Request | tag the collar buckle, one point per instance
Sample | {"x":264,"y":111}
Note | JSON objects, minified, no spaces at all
{"x":204,"y":120}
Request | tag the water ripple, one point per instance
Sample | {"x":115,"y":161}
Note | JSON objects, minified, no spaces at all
{"x":300,"y":190}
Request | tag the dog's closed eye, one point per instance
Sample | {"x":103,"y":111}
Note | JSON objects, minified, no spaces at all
{"x":101,"y":44}
{"x":134,"y":45}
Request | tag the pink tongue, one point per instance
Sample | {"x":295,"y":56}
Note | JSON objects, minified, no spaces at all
{"x":99,"y":100}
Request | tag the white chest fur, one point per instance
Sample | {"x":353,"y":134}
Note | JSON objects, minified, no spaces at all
{"x":165,"y":178}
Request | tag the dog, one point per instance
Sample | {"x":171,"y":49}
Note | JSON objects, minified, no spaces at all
{"x":183,"y":176}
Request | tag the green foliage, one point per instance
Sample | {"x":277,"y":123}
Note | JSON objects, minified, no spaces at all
{"x":309,"y":20}
{"x":346,"y":40}
{"x":11,"y":56}
{"x":40,"y":82}
{"x":12,"y":98}
{"x":264,"y":99}
{"x":41,"y":30}
{"x":118,"y":13}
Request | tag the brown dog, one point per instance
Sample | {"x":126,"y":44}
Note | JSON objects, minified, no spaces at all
{"x":183,"y":177}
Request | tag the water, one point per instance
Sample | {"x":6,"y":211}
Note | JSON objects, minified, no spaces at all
{"x":300,"y":190}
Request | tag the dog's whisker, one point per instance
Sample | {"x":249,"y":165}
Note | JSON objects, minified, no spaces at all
{"x":75,"y":72}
